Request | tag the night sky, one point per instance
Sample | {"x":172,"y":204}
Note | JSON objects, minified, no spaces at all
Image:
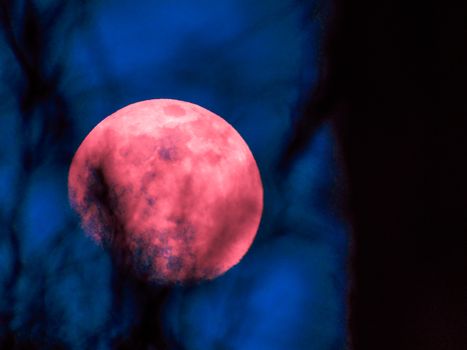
{"x":65,"y":66}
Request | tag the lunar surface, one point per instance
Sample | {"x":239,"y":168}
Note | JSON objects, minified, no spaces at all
{"x":170,"y":188}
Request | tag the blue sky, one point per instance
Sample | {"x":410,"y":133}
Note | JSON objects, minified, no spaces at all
{"x":249,"y":62}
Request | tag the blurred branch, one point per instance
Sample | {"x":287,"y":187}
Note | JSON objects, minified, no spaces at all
{"x":30,"y":31}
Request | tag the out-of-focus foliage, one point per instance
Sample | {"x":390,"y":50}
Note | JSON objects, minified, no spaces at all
{"x":65,"y":65}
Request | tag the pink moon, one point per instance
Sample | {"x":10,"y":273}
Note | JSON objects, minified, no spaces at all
{"x":170,"y":188}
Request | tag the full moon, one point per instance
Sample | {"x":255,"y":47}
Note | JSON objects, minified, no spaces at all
{"x":170,"y":188}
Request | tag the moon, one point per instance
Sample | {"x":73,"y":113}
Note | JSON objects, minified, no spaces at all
{"x":170,"y":188}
